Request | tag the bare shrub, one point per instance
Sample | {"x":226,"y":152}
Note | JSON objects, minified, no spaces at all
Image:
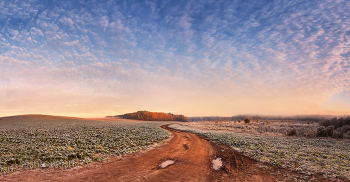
{"x":292,"y":132}
{"x":337,"y":123}
{"x":342,"y":131}
{"x":330,"y":131}
{"x":328,"y":122}
{"x":246,"y":120}
{"x":308,"y":132}
{"x":239,"y":120}
{"x":321,"y":131}
{"x":325,"y":132}
{"x":338,"y":134}
{"x":347,"y":135}
{"x":342,"y":122}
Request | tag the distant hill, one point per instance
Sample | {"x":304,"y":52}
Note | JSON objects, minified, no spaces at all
{"x":44,"y":121}
{"x":153,"y":116}
{"x":31,"y":118}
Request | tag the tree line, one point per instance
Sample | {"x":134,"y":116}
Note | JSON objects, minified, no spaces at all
{"x":315,"y":118}
{"x":153,"y":116}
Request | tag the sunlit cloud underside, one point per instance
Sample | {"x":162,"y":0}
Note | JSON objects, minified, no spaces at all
{"x":92,"y":59}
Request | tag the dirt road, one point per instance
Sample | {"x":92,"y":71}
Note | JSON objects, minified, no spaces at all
{"x":192,"y":156}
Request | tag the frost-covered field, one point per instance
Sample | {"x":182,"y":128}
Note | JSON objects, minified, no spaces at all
{"x":304,"y":129}
{"x":332,"y":158}
{"x":45,"y":141}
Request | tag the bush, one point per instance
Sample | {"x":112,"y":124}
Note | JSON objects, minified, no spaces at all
{"x":330,"y":131}
{"x":338,"y":134}
{"x":310,"y":132}
{"x":347,"y":135}
{"x":342,"y":132}
{"x":292,"y":132}
{"x":246,"y":120}
{"x":239,"y":120}
{"x":337,"y":123}
{"x":321,"y":131}
{"x":342,"y":122}
{"x":328,"y":122}
{"x":325,"y":132}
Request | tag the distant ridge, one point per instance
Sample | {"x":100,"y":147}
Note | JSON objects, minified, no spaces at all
{"x":39,"y":116}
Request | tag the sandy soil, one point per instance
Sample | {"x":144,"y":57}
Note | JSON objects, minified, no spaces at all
{"x":192,"y":155}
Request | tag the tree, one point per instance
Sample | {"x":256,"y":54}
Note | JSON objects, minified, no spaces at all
{"x":154,"y":116}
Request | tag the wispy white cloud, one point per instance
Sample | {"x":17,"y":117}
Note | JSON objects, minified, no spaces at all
{"x":66,"y":20}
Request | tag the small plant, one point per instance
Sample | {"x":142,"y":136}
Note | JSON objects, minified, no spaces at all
{"x":239,"y":120}
{"x":246,"y":120}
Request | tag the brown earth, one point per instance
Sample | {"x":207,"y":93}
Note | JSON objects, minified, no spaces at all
{"x":192,"y":155}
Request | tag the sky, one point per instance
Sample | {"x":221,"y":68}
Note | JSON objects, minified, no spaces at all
{"x":193,"y":57}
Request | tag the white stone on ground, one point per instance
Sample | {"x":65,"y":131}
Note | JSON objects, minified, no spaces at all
{"x":166,"y":163}
{"x":217,"y":163}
